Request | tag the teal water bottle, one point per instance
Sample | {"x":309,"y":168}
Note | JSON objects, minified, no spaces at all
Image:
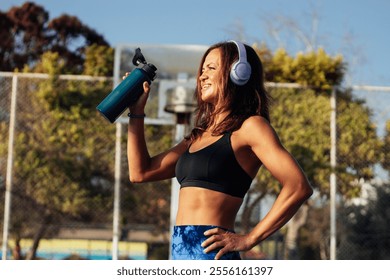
{"x":129,"y":90}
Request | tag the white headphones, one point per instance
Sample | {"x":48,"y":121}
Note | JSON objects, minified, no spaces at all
{"x":241,"y":69}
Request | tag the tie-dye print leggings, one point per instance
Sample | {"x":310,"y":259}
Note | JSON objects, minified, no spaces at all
{"x":186,"y":244}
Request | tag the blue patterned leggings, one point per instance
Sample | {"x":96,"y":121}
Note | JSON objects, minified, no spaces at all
{"x":186,"y":244}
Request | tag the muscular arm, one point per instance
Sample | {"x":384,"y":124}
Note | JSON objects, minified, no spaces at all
{"x":295,"y":186}
{"x":143,"y":167}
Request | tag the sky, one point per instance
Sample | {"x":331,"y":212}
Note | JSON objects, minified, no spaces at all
{"x":359,"y":29}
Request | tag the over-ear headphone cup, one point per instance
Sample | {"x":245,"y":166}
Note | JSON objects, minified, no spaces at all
{"x":240,"y":73}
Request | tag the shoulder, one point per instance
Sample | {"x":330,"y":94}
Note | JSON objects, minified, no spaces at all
{"x":255,"y":122}
{"x":255,"y":125}
{"x":257,"y":130}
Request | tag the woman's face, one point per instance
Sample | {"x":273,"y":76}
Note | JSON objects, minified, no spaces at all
{"x":210,"y":78}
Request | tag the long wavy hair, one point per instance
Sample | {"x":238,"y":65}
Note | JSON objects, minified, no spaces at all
{"x":241,"y":102}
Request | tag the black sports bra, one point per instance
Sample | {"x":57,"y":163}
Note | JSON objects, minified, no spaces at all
{"x":214,"y":167}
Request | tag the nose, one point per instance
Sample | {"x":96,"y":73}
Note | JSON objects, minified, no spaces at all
{"x":203,"y":76}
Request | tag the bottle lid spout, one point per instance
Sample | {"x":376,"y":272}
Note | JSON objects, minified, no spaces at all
{"x":138,"y":57}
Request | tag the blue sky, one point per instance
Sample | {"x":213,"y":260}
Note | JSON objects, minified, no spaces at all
{"x":359,"y":29}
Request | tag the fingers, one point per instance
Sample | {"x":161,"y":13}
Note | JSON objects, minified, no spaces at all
{"x":125,"y":76}
{"x":146,"y":85}
{"x":218,"y":239}
{"x":214,"y":231}
{"x":223,"y":242}
{"x":220,"y":253}
{"x":212,"y":243}
{"x":215,"y":236}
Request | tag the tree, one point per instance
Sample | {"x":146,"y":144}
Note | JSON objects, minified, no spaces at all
{"x":26,"y":26}
{"x":386,"y":157}
{"x":70,"y":40}
{"x":315,"y":69}
{"x":6,"y":42}
{"x":99,"y":60}
{"x":27,"y":33}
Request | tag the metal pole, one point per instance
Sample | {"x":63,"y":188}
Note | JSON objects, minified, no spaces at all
{"x":10,"y":163}
{"x":117,"y":189}
{"x":117,"y":185}
{"x":333,"y":182}
{"x":175,"y":186}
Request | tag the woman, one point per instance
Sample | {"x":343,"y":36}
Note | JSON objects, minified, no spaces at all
{"x":232,"y":138}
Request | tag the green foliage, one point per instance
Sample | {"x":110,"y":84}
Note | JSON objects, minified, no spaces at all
{"x":359,"y":147}
{"x":99,"y":60}
{"x":50,"y":63}
{"x":386,"y":156}
{"x":315,"y":69}
{"x":59,"y":154}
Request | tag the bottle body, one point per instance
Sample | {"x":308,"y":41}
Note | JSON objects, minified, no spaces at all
{"x":125,"y":94}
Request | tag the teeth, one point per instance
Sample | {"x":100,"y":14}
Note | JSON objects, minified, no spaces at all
{"x":205,"y":86}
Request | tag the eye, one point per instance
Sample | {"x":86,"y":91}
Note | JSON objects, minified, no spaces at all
{"x":208,"y":68}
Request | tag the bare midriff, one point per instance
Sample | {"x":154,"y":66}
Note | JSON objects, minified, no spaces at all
{"x":199,"y":206}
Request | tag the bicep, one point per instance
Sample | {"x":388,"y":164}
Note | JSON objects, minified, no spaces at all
{"x":281,"y":164}
{"x":273,"y":155}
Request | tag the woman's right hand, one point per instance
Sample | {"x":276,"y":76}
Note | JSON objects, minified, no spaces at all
{"x":138,"y":108}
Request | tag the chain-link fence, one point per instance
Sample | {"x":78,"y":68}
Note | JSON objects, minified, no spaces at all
{"x":57,"y":174}
{"x":364,"y":221}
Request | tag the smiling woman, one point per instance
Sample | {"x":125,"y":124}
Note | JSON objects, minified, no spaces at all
{"x":216,"y":163}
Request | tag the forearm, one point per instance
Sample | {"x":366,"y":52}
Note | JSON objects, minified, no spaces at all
{"x":137,"y":152}
{"x":283,"y":209}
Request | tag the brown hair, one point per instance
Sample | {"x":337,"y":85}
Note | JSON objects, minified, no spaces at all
{"x":241,"y":101}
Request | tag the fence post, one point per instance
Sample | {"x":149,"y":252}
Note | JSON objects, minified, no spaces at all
{"x":117,"y":185}
{"x":117,"y":190}
{"x":333,"y":182}
{"x":10,"y":163}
